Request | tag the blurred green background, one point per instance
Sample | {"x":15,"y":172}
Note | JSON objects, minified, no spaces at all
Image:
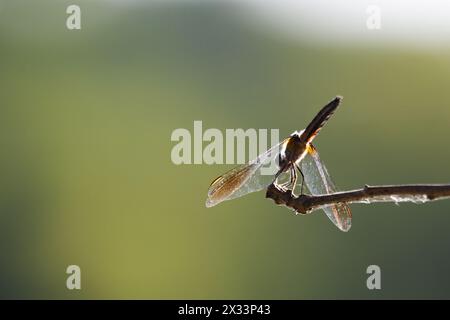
{"x":86,"y":176}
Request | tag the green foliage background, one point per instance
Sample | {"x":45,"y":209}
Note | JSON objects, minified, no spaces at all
{"x":86,"y":177}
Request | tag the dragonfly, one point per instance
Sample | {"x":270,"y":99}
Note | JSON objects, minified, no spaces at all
{"x":295,"y":154}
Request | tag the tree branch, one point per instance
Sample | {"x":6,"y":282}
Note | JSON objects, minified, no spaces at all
{"x":303,"y":204}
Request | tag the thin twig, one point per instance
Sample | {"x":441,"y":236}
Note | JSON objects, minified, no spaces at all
{"x":418,"y":193}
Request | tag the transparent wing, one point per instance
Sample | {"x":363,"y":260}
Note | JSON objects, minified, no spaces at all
{"x":318,"y":181}
{"x":244,"y":179}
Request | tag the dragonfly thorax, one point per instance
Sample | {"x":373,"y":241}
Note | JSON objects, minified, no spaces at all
{"x":292,"y":152}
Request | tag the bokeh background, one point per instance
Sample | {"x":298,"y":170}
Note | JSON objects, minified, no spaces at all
{"x":86,"y":118}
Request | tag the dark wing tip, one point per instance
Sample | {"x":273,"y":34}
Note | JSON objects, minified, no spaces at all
{"x":336,"y":101}
{"x":320,"y":119}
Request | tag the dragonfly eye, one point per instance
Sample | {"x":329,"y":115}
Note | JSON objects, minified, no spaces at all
{"x":281,"y":161}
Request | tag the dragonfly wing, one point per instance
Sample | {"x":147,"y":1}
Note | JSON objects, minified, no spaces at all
{"x":239,"y":181}
{"x":319,"y":182}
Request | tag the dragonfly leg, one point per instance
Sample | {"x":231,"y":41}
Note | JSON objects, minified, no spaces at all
{"x":284,"y":185}
{"x":293,"y":181}
{"x":274,"y":181}
{"x":303,"y":178}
